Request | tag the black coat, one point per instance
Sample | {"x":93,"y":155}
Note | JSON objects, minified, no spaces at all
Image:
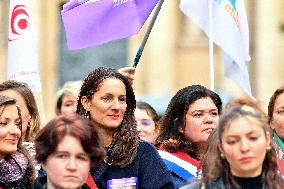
{"x":147,"y":166}
{"x":23,"y":183}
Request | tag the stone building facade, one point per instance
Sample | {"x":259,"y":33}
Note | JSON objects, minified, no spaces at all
{"x":176,"y":54}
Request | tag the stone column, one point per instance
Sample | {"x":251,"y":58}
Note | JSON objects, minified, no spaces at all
{"x":269,"y":48}
{"x":156,"y":72}
{"x":48,"y":15}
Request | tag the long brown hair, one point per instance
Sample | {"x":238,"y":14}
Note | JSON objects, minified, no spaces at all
{"x":214,"y":166}
{"x":123,"y":148}
{"x":30,"y":172}
{"x":24,"y":90}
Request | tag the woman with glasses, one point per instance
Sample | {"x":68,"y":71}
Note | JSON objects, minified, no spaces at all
{"x":146,"y":118}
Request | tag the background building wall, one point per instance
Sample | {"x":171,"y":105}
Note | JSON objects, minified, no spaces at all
{"x":176,"y":54}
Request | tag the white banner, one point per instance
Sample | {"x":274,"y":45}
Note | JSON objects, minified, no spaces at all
{"x":22,"y":46}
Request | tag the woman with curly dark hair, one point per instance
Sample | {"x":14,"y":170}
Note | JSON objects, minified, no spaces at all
{"x":16,"y":168}
{"x":241,"y":155}
{"x":107,"y":98}
{"x":191,"y":116}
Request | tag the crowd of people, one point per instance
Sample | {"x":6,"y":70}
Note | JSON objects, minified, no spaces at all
{"x":102,"y":138}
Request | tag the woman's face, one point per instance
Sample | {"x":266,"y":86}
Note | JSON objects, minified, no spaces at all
{"x":145,"y":126}
{"x":69,"y":105}
{"x":201,"y":119}
{"x":26,"y":117}
{"x":68,"y":166}
{"x":10,"y":132}
{"x":278,"y":116}
{"x":108,"y":104}
{"x":244,"y":144}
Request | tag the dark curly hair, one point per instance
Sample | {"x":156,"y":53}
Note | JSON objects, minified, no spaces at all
{"x":171,"y":139}
{"x":79,"y":127}
{"x":271,"y":104}
{"x":123,"y":148}
{"x":214,"y":166}
{"x":24,"y":90}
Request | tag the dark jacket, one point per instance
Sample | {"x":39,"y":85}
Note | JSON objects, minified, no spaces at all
{"x":147,"y":166}
{"x":41,"y":183}
{"x":20,"y":184}
{"x":218,"y":184}
{"x":178,"y":181}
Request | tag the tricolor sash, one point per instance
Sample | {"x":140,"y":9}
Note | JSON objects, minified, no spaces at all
{"x":280,"y":166}
{"x":181,"y":164}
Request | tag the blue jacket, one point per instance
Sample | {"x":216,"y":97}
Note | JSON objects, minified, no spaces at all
{"x":147,"y":166}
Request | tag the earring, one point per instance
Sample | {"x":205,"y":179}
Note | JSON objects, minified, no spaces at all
{"x":268,"y":148}
{"x":222,"y":156}
{"x":86,"y":114}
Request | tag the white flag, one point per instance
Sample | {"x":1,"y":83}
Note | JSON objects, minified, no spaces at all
{"x":230,"y":32}
{"x":22,"y":47}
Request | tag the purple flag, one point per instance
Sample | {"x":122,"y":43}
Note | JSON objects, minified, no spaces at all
{"x":92,"y":22}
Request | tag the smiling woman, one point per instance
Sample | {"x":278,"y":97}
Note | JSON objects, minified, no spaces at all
{"x":16,"y":170}
{"x":108,"y":100}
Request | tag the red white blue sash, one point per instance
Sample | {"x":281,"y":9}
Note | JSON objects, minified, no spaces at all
{"x":280,"y":166}
{"x":181,"y":164}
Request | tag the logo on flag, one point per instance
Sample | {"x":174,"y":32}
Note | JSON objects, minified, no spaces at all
{"x":230,"y":32}
{"x":22,"y":47}
{"x":20,"y":22}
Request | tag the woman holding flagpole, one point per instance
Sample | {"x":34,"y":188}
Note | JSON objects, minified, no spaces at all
{"x":107,"y":99}
{"x":190,"y":117}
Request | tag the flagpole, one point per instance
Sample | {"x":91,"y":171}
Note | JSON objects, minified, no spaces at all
{"x":147,"y":34}
{"x":211,"y":48}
